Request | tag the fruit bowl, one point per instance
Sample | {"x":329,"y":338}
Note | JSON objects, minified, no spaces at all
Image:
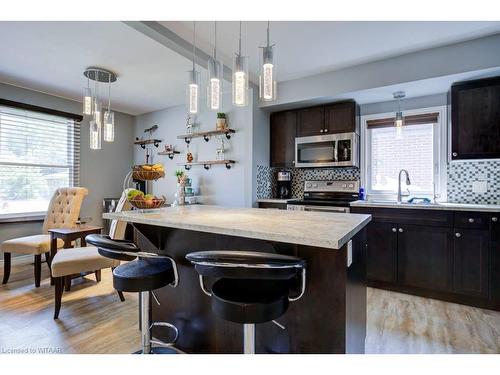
{"x":148,"y":172}
{"x":143,"y":204}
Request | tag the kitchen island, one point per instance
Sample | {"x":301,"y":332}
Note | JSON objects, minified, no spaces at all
{"x":329,"y":318}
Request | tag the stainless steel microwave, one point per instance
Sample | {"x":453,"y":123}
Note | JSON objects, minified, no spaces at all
{"x":332,"y":150}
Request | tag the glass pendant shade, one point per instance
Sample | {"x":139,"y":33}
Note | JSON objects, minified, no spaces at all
{"x":109,"y":126}
{"x":193,"y":91}
{"x":95,"y":136}
{"x":267,"y":78}
{"x":398,"y":123}
{"x":240,"y":81}
{"x":87,"y":101}
{"x":97,"y":112}
{"x":214,"y":89}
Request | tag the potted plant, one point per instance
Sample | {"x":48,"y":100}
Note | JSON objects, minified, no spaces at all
{"x":221,"y":121}
{"x":181,"y":183}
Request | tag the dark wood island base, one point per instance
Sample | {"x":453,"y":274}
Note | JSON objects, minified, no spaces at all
{"x":329,"y":318}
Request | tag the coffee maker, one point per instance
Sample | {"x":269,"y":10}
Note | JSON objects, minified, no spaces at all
{"x":284,"y":185}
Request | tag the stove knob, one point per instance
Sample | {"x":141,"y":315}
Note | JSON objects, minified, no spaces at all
{"x":315,"y":185}
{"x":344,"y":186}
{"x":308,"y":185}
{"x":351,"y":186}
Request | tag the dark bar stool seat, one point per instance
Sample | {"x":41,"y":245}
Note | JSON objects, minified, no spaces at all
{"x":143,"y":274}
{"x":251,"y":287}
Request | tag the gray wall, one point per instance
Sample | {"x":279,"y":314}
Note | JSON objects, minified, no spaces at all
{"x":218,"y":185}
{"x":102,"y":171}
{"x":473,"y":55}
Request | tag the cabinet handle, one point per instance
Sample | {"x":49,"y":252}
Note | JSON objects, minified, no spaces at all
{"x":471,"y":220}
{"x":458,"y":235}
{"x":454,"y":154}
{"x":322,"y":130}
{"x":394,"y":230}
{"x":326,"y":130}
{"x":494,"y":219}
{"x":401,"y":230}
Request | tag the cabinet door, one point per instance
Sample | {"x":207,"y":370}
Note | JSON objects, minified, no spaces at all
{"x":471,"y":250}
{"x":495,"y":258}
{"x":381,"y":255}
{"x":283,"y":128}
{"x":475,"y":117}
{"x":340,"y":118}
{"x":425,"y":257}
{"x":311,"y":121}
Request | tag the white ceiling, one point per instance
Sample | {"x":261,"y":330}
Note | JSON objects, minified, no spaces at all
{"x":51,"y":56}
{"x":306,"y":48}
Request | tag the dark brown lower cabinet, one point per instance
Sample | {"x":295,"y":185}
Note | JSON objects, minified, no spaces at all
{"x":425,"y":257}
{"x":382,"y":252}
{"x":495,"y":260}
{"x":453,"y":256}
{"x":471,"y":257}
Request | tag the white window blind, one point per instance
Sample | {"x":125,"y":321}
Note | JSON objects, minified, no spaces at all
{"x":38,"y":153}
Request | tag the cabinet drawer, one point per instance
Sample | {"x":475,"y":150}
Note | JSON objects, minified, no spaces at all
{"x":280,"y":206}
{"x":472,"y":220}
{"x":408,"y":216}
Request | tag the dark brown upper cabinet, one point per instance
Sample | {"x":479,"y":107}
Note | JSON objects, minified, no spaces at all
{"x":341,"y":118}
{"x":475,"y":119}
{"x":283,"y":127}
{"x":311,"y":121}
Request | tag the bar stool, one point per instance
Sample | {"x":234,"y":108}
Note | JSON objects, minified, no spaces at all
{"x":251,"y":287}
{"x":144,"y":273}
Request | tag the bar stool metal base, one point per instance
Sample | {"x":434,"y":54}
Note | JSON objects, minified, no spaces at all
{"x":249,"y":338}
{"x":146,"y":339}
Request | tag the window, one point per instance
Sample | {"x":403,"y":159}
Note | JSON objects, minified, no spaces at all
{"x":39,"y":153}
{"x":419,"y":148}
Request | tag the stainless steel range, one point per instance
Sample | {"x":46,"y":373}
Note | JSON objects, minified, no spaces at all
{"x":331,"y":196}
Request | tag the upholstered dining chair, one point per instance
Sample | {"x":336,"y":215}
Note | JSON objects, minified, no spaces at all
{"x":68,"y":262}
{"x":63,"y":212}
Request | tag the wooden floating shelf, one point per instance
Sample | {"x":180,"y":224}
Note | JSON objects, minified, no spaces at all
{"x":206,"y":135}
{"x":155,"y":142}
{"x":170,"y":154}
{"x":207,"y":163}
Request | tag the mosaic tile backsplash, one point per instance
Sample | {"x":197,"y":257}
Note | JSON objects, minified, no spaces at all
{"x":461,"y":175}
{"x":267,"y":183}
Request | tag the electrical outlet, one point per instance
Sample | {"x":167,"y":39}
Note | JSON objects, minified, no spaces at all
{"x":479,"y":187}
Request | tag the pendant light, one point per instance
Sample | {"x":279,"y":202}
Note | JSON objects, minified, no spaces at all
{"x":96,"y":123}
{"x":240,"y":77}
{"x":193,"y":86}
{"x":267,"y":78}
{"x":399,"y":119}
{"x":109,"y":119}
{"x":87,"y":99}
{"x":214,"y":89}
{"x":98,"y":75}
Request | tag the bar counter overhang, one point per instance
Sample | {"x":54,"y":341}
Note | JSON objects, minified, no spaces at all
{"x":329,"y":318}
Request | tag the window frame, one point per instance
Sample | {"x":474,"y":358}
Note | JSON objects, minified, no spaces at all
{"x":73,"y":167}
{"x":440,"y":150}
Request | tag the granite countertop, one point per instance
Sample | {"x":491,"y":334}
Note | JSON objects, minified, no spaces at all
{"x":276,"y":200}
{"x":327,"y":230}
{"x":432,"y":206}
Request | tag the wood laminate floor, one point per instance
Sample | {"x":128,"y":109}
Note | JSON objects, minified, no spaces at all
{"x":92,"y":317}
{"x":93,"y":320}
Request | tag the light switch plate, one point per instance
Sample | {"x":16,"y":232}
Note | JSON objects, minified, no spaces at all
{"x":479,"y":187}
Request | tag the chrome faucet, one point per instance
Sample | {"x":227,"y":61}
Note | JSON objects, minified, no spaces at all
{"x":408,"y":182}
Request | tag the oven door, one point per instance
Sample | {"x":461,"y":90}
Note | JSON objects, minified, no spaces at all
{"x":332,"y":150}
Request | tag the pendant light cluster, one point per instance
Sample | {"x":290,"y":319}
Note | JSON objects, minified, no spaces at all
{"x":92,"y":106}
{"x":240,"y":92}
{"x":399,"y":119}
